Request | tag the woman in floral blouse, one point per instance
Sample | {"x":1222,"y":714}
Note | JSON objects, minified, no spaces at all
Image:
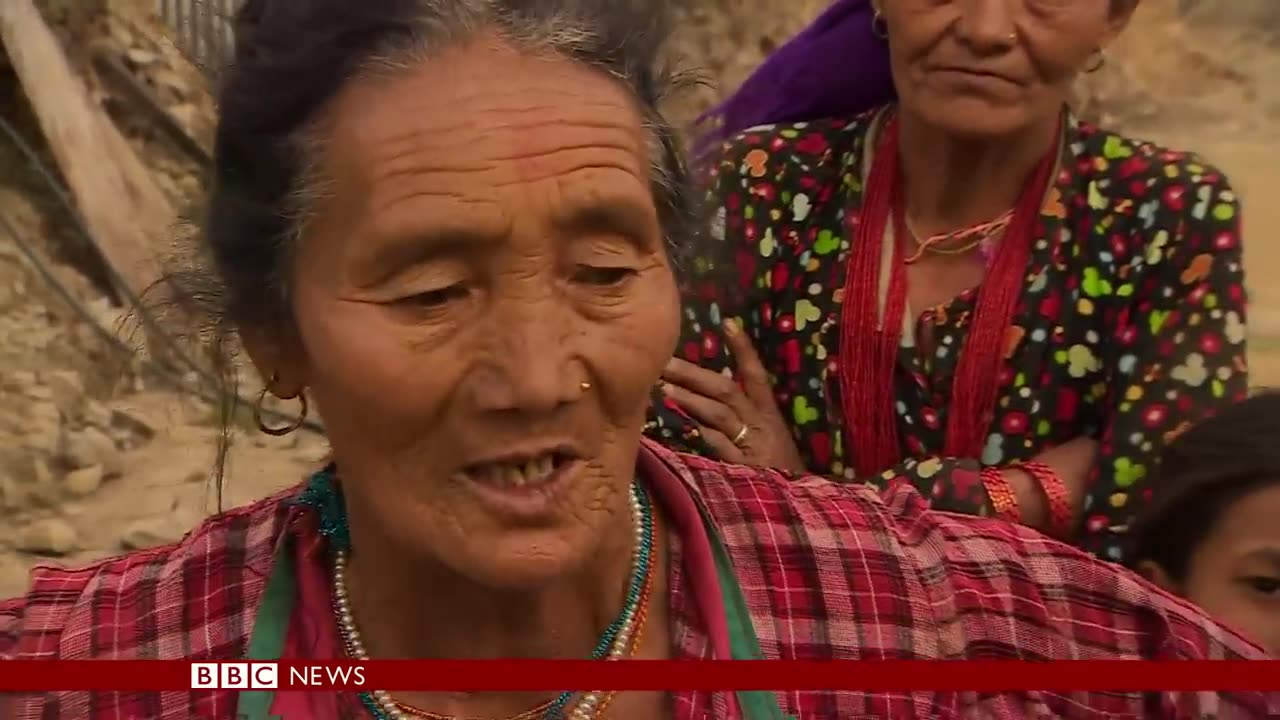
{"x":962,"y":287}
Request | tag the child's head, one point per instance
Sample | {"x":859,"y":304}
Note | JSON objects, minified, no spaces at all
{"x":1212,"y":532}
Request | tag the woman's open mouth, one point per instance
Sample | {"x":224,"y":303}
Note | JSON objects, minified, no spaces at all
{"x":531,"y":473}
{"x":522,"y":488}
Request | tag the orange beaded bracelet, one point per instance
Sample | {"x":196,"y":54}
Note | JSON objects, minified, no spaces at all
{"x":1061,"y":516}
{"x":1003,"y":502}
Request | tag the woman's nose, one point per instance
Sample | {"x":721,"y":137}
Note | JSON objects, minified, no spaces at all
{"x":988,"y":26}
{"x":530,"y":366}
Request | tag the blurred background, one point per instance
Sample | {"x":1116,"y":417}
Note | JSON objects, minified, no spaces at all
{"x":109,"y":428}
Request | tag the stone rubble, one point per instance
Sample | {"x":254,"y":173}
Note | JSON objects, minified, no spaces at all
{"x":53,"y":537}
{"x":147,"y":533}
{"x":69,"y":431}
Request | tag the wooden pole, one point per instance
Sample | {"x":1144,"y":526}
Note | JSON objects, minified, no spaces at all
{"x":127,"y":214}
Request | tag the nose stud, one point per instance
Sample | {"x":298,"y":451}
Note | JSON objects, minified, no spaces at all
{"x":584,"y":385}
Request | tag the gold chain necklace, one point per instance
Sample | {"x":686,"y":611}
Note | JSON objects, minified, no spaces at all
{"x":979,"y":233}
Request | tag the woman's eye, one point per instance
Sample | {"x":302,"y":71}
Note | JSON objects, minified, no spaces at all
{"x":434,"y":298}
{"x":1051,"y":4}
{"x":603,"y":276}
{"x":1264,"y":585}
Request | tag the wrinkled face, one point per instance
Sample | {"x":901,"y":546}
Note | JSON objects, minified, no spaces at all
{"x":992,"y":67}
{"x":484,"y":303}
{"x":1235,"y":573}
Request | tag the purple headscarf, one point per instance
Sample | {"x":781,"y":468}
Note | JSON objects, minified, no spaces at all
{"x":836,"y":67}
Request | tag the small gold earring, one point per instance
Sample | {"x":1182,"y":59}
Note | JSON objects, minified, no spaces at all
{"x":259,"y":410}
{"x":584,"y":385}
{"x":879,"y":27}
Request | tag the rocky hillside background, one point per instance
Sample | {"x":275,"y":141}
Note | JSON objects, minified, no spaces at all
{"x":99,"y":453}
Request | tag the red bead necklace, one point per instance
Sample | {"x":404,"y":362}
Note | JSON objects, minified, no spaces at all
{"x":869,"y":347}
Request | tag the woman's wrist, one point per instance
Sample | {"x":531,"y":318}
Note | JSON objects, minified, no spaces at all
{"x":1015,"y":497}
{"x":1059,"y":514}
{"x":1012,"y":495}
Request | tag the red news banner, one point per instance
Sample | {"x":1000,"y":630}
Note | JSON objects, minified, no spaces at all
{"x":622,"y":675}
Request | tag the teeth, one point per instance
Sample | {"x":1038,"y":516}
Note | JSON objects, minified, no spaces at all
{"x":540,"y":468}
{"x":514,"y":476}
{"x":531,"y":472}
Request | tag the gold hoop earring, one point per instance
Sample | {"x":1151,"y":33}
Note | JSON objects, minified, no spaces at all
{"x":283,"y":429}
{"x":879,"y":27}
{"x":1099,"y":59}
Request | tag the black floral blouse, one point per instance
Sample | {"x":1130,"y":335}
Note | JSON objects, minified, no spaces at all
{"x":1130,"y":327}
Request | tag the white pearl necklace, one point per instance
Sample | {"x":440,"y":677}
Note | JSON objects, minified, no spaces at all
{"x":587,"y":707}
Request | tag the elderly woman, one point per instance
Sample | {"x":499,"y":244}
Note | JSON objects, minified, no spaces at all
{"x":451,"y":226}
{"x":964,"y":289}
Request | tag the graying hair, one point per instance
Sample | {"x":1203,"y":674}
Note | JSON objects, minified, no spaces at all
{"x":623,"y":39}
{"x":563,"y":28}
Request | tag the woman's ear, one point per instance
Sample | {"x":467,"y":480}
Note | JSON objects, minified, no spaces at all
{"x":1156,"y":575}
{"x":278,"y":362}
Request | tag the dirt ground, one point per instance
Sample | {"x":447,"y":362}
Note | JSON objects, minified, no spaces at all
{"x":77,"y":497}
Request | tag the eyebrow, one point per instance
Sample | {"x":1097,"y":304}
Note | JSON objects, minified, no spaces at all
{"x":1269,"y":555}
{"x":397,"y":251}
{"x":618,"y":215}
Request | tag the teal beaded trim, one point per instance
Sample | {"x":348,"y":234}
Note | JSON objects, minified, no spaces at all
{"x":643,"y":566}
{"x":324,"y":496}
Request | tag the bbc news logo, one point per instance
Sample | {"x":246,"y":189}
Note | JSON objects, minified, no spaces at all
{"x":235,"y":676}
{"x":266,"y":675}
